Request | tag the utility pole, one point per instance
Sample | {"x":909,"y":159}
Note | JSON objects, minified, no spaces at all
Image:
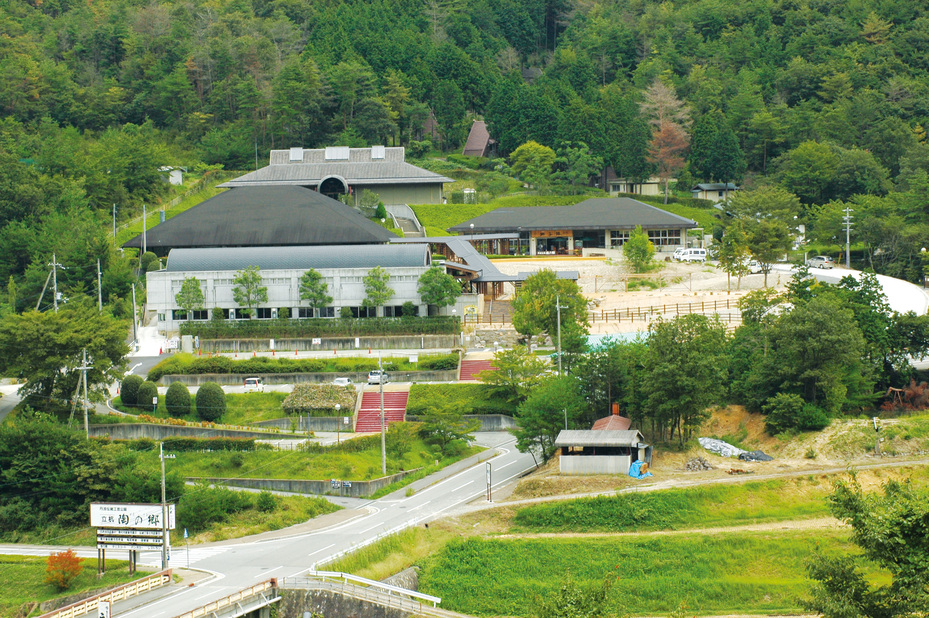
{"x":848,"y":226}
{"x":383,"y":431}
{"x":84,"y":367}
{"x":99,"y":289}
{"x":114,"y":224}
{"x":144,"y":233}
{"x":55,"y":266}
{"x":135,"y":335}
{"x":164,"y":508}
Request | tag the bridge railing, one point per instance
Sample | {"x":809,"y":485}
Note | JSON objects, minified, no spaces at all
{"x":119,"y":593}
{"x":234,"y":600}
{"x":367,"y":590}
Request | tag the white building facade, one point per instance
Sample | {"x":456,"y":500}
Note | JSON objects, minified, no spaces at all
{"x":343,"y":269}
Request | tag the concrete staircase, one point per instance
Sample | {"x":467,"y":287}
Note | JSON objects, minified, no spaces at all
{"x":409,"y":228}
{"x":369,"y":415}
{"x":470,"y":369}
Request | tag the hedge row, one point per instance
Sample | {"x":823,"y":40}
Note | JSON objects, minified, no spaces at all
{"x":319,"y":398}
{"x":188,"y":364}
{"x":321,"y":327}
{"x":192,"y":445}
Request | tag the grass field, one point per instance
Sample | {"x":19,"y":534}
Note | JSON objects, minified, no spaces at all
{"x":349,"y":462}
{"x":241,"y":409}
{"x":471,"y":398}
{"x":22,"y":582}
{"x":717,"y":574}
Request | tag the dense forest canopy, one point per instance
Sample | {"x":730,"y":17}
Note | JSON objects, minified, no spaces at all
{"x":827,"y":98}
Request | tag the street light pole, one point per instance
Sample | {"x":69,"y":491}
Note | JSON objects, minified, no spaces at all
{"x":848,"y":226}
{"x":338,"y":425}
{"x":164,"y":510}
{"x":559,"y":307}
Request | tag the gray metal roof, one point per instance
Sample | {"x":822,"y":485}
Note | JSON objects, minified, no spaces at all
{"x":715,"y":186}
{"x":379,"y":172}
{"x":617,"y":213}
{"x":264,"y":216}
{"x":589,"y":437}
{"x":298,"y":258}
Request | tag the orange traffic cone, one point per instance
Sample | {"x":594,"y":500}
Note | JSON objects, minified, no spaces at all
{"x":160,"y":351}
{"x":334,"y":352}
{"x":272,"y":352}
{"x":295,"y":352}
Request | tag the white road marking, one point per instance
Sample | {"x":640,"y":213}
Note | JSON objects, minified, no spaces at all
{"x":133,"y":368}
{"x":321,"y":550}
{"x":503,"y":466}
{"x":463,"y":486}
{"x":370,"y":529}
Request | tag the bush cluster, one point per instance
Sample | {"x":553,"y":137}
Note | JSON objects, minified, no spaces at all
{"x":192,"y":445}
{"x":211,"y":402}
{"x":204,"y":505}
{"x":147,"y":397}
{"x":177,"y":400}
{"x":187,"y":364}
{"x":316,"y":398}
{"x":129,"y":390}
{"x":322,"y":327}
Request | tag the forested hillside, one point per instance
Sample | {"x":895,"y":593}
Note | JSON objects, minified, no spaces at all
{"x":828,"y":98}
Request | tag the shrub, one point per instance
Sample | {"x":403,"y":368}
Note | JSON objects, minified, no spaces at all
{"x":440,"y":363}
{"x":190,"y":445}
{"x":211,"y":402}
{"x":345,"y":312}
{"x":129,"y":390}
{"x":148,"y":258}
{"x":177,"y":400}
{"x":148,"y":392}
{"x":205,"y":505}
{"x":62,"y":568}
{"x":266,"y":502}
{"x":344,"y":326}
{"x":788,"y":412}
{"x":316,"y":398}
{"x":408,"y":309}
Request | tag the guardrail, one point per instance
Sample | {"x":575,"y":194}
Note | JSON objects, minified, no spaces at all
{"x":120,"y":593}
{"x":368,"y":590}
{"x":235,"y":599}
{"x":632,"y":314}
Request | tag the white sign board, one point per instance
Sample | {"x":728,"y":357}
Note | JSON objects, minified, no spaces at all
{"x":118,"y":515}
{"x":317,"y":341}
{"x":103,"y":609}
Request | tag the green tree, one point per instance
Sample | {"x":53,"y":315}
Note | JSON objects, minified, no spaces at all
{"x":444,"y":425}
{"x":314,"y":290}
{"x":436,"y":287}
{"x":377,"y":288}
{"x":147,"y":399}
{"x":190,"y":297}
{"x":535,"y":310}
{"x":807,"y":171}
{"x":47,"y":348}
{"x":686,"y":371}
{"x":129,"y":390}
{"x":531,"y":153}
{"x":733,"y":255}
{"x":517,"y":372}
{"x":768,"y":240}
{"x":576,"y":164}
{"x":248,"y":291}
{"x":542,"y":415}
{"x":639,"y":250}
{"x":892,"y":529}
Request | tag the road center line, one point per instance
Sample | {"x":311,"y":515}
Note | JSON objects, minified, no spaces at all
{"x":503,"y":466}
{"x":463,"y":486}
{"x":321,"y":550}
{"x":370,"y":529}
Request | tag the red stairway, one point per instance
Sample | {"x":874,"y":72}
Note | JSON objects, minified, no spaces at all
{"x":369,"y":416}
{"x":470,"y":369}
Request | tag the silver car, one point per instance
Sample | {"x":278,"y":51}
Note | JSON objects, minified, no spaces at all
{"x":821,"y":261}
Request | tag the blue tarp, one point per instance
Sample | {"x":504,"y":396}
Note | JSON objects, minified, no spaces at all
{"x":635,"y":470}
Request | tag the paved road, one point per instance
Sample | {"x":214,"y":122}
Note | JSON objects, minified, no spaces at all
{"x":239,"y":564}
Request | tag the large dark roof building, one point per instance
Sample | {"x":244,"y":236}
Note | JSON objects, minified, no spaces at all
{"x":339,"y":170}
{"x":264,"y":217}
{"x":598,"y":223}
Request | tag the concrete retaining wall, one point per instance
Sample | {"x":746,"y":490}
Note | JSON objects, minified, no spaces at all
{"x":359,"y":489}
{"x":361,"y":377}
{"x":315,"y":423}
{"x":493,"y":422}
{"x":300,"y":603}
{"x":398,"y":342}
{"x":134,"y":431}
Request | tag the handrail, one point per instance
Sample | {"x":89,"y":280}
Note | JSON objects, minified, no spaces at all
{"x":322,"y":575}
{"x":118,"y":593}
{"x":229,"y":600}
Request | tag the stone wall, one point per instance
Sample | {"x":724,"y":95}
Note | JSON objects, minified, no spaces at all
{"x":504,"y":337}
{"x":329,"y":604}
{"x":493,"y":422}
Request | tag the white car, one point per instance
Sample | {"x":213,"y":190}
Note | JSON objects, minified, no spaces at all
{"x":378,"y":376}
{"x":254,"y":385}
{"x":821,"y":261}
{"x":693,"y":255}
{"x":343,"y":382}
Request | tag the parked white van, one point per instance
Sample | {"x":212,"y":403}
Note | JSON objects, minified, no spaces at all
{"x":254,"y":385}
{"x":693,"y":255}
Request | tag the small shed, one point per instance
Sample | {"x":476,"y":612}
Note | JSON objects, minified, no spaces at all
{"x":601,"y":451}
{"x":713,"y":191}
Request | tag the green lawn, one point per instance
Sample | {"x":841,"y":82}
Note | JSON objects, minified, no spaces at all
{"x":712,"y":574}
{"x":22,"y":581}
{"x":241,"y":409}
{"x":355,"y":460}
{"x":471,"y":398}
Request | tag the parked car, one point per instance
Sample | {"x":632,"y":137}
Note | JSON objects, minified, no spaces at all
{"x":821,"y":261}
{"x":378,"y":376}
{"x":343,"y":382}
{"x":753,"y":266}
{"x":693,"y":255}
{"x":254,"y":385}
{"x":677,"y":254}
